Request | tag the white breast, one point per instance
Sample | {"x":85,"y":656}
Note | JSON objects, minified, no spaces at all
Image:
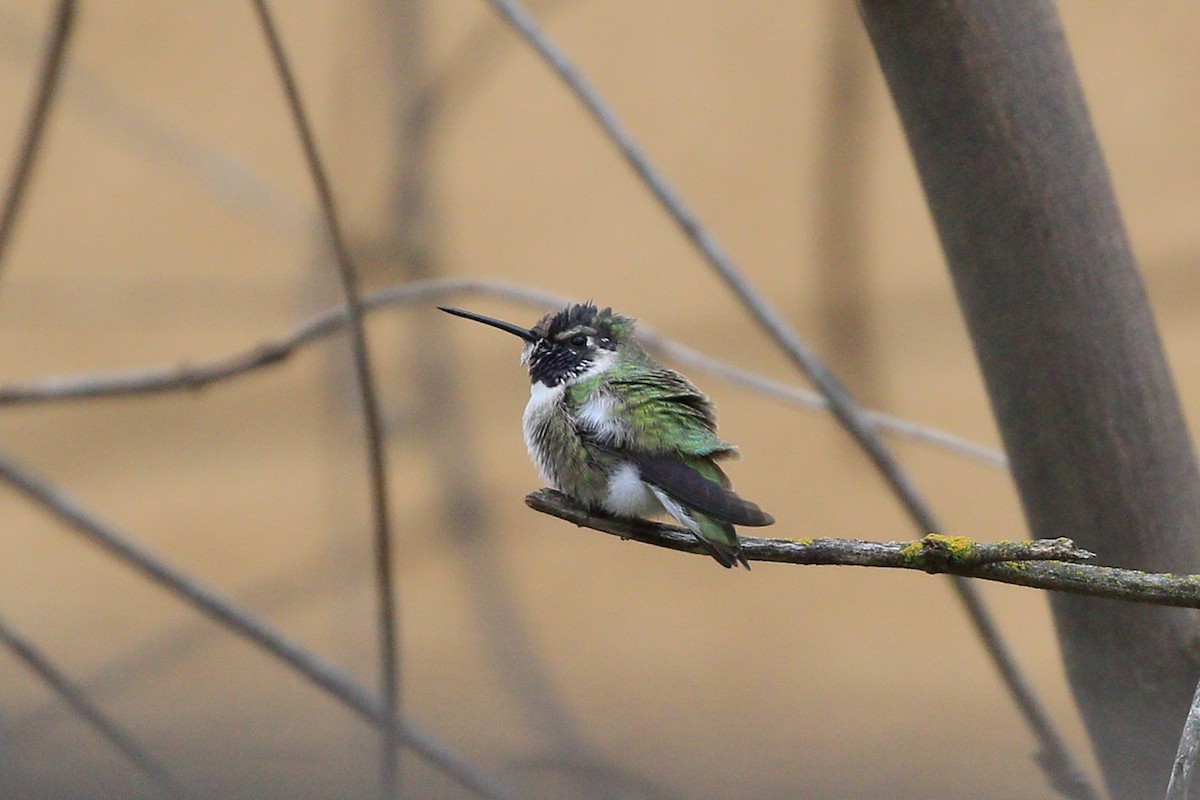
{"x":542,"y":398}
{"x":543,"y":401}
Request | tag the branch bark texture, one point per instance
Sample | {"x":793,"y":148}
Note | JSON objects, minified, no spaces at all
{"x":1058,"y":315}
{"x":1052,"y":564}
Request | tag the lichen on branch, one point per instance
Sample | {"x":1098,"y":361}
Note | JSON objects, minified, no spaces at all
{"x":1051,"y":564}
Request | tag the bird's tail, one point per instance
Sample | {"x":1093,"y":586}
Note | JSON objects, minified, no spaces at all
{"x":720,"y":540}
{"x":718,"y":537}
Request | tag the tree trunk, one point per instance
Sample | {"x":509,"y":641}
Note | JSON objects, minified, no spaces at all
{"x":1065,"y":338}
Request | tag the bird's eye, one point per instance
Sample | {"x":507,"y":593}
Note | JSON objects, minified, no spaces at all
{"x":578,"y":340}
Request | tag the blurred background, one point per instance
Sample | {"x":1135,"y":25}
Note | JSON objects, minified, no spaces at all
{"x":171,"y":219}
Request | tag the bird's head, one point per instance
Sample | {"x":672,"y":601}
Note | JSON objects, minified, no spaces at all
{"x":576,"y":343}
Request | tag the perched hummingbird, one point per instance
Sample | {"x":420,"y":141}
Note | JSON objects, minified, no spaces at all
{"x":613,"y":429}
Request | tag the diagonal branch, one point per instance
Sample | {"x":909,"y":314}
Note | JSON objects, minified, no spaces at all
{"x":1054,"y":757}
{"x":31,"y":142}
{"x":1183,"y":771}
{"x":231,"y":182}
{"x":365,"y":381}
{"x":761,"y":309}
{"x":234,"y":618}
{"x":1051,"y":564}
{"x":74,"y":696}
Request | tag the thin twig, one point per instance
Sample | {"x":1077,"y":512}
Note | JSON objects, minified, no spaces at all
{"x":230,"y":181}
{"x":56,"y":51}
{"x":328,"y":573}
{"x":761,"y":309}
{"x":881,"y":422}
{"x":1062,"y":771}
{"x":372,"y":421}
{"x":142,"y":132}
{"x":462,"y":71}
{"x":232,"y":617}
{"x":1051,"y":564}
{"x":75,"y":697}
{"x":201,"y":374}
{"x":1183,"y":771}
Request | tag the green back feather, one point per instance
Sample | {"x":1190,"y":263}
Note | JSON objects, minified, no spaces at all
{"x":664,"y":410}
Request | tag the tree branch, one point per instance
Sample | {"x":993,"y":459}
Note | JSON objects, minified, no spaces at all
{"x":1051,"y":564}
{"x":237,"y":620}
{"x":1058,"y":763}
{"x":372,"y":418}
{"x":75,"y":698}
{"x":202,"y":374}
{"x":1183,"y":772}
{"x":1081,"y":389}
{"x":39,"y":112}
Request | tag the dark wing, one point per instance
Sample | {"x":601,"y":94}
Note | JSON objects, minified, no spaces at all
{"x":691,"y":486}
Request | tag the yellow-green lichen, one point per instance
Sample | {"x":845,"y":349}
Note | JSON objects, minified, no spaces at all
{"x":912,"y":553}
{"x":958,"y":545}
{"x":938,"y":546}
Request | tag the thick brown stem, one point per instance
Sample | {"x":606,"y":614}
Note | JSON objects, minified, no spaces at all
{"x":1076,"y":374}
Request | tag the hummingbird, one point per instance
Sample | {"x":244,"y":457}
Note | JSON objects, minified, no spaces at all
{"x":613,"y":429}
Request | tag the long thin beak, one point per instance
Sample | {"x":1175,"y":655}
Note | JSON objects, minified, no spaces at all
{"x":515,"y":330}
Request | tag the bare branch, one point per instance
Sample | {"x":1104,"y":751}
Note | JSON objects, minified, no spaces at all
{"x":31,"y":142}
{"x":933,"y":553}
{"x":365,"y":382}
{"x":201,"y":374}
{"x":764,"y":313}
{"x":143,"y":133}
{"x":75,"y":697}
{"x":1054,"y":757}
{"x":327,"y":573}
{"x":1183,"y":772}
{"x":459,"y":74}
{"x":1081,"y":389}
{"x":879,"y":421}
{"x":228,"y":180}
{"x":1050,"y":564}
{"x":234,"y":618}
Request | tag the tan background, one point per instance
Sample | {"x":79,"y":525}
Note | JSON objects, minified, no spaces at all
{"x":141,"y":245}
